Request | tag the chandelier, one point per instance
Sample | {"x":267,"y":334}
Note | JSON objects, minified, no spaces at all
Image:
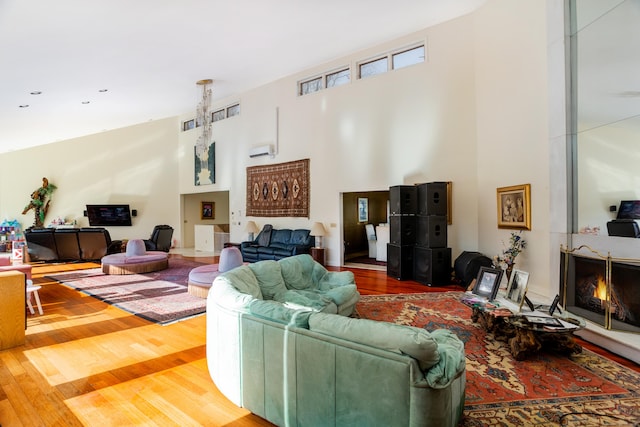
{"x":203,"y":118}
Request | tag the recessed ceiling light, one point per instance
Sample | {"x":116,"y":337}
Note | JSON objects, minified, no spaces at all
{"x":23,"y":105}
{"x":103,"y":90}
{"x":36,"y":92}
{"x":86,"y":102}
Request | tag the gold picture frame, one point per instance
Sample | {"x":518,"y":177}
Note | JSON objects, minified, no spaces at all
{"x":514,"y":207}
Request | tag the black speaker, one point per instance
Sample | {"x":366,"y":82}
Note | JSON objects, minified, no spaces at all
{"x":468,"y":264}
{"x":432,"y":266}
{"x":403,"y":200}
{"x":431,"y":231}
{"x":432,"y":198}
{"x":399,"y":261}
{"x":134,"y":212}
{"x":402,"y":230}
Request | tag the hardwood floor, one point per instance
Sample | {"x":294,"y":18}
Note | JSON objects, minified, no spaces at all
{"x":88,"y":363}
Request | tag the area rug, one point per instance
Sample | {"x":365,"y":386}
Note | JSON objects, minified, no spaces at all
{"x":544,"y":390}
{"x":159,"y":296}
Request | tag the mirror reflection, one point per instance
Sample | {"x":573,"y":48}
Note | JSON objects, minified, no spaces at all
{"x":606,"y":78}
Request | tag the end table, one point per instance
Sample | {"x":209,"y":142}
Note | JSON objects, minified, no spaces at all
{"x":318,"y":255}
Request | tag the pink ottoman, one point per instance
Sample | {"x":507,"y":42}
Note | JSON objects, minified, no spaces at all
{"x":201,"y":278}
{"x":135,"y":260}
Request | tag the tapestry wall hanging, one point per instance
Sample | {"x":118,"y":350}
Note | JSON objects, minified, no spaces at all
{"x":278,"y":190}
{"x":205,"y":164}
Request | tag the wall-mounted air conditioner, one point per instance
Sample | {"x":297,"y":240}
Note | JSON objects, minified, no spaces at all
{"x":262,"y":150}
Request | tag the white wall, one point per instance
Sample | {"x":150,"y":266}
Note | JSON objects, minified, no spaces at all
{"x":406,"y":126}
{"x":137,"y":165}
{"x":512,"y":126}
{"x":475,"y":114}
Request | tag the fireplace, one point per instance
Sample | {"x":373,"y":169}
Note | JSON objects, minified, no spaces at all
{"x":601,"y":289}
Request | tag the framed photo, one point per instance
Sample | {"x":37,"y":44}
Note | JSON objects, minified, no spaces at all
{"x":363,"y":209}
{"x":514,"y":207}
{"x":488,"y":282}
{"x":207,"y":210}
{"x":517,"y":287}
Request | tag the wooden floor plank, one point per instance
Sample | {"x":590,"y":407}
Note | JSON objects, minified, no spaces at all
{"x":85,"y":362}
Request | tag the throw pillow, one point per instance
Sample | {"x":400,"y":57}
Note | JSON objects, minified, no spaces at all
{"x":401,"y":339}
{"x":269,"y":277}
{"x":296,"y":271}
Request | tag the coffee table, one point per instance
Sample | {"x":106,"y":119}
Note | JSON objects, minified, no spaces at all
{"x":525,"y":338}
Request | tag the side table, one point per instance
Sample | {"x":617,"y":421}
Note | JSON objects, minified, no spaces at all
{"x":318,"y":255}
{"x":524,"y":338}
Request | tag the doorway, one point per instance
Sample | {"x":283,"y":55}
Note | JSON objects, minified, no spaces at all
{"x":191,"y":212}
{"x":359,"y":209}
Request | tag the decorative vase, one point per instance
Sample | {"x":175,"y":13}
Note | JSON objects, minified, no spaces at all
{"x":509,"y":270}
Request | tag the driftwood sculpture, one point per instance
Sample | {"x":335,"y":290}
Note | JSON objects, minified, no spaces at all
{"x":40,"y":200}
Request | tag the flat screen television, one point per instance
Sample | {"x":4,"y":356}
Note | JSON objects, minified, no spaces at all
{"x":109,"y":215}
{"x":629,"y":209}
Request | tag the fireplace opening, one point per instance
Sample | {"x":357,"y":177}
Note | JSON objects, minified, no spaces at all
{"x":603,"y":291}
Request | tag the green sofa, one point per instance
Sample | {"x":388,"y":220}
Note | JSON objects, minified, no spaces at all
{"x":280,"y":344}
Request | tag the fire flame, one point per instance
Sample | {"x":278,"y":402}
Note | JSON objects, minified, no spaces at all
{"x":600,"y":291}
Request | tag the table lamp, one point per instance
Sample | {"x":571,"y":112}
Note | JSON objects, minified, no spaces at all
{"x":318,"y":231}
{"x":251,"y":228}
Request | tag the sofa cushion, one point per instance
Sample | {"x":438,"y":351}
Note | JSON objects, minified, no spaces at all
{"x":242,"y":279}
{"x":299,"y":237}
{"x":297,"y":271}
{"x":279,"y":313}
{"x":303,"y":299}
{"x":269,"y":277}
{"x":341,"y":294}
{"x":282,"y":237}
{"x":409,"y":340}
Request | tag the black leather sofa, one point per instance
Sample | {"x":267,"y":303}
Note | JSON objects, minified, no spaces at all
{"x":70,"y":244}
{"x":277,"y":244}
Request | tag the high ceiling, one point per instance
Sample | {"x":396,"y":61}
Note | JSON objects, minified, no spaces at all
{"x":106,"y":64}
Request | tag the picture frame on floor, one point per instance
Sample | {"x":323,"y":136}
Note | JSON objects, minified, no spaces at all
{"x":488,"y":282}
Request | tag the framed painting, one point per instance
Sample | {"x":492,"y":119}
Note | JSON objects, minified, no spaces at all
{"x":488,"y":282}
{"x":363,"y":209}
{"x":514,"y":207}
{"x":517,"y":287}
{"x":207,"y":210}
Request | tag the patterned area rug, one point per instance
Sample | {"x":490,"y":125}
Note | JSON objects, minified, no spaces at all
{"x":544,"y":390}
{"x":160,"y":296}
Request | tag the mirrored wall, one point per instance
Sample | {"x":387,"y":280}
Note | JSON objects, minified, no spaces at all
{"x":606,"y":115}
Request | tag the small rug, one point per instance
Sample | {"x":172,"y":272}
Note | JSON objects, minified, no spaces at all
{"x":544,"y":390}
{"x":160,"y":296}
